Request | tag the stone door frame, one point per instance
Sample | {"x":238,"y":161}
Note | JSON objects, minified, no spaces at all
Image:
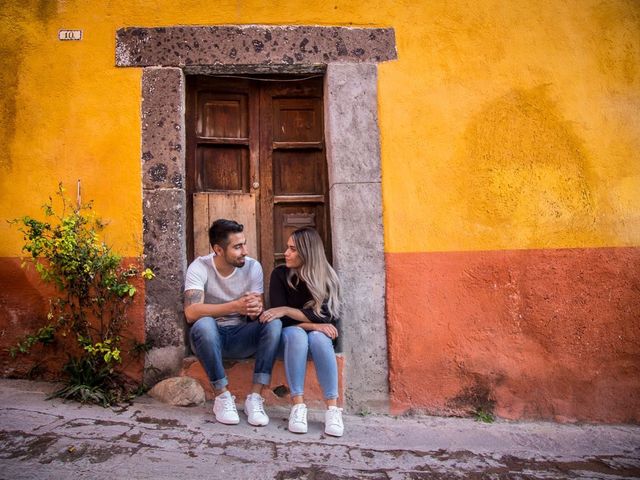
{"x":347,"y":57}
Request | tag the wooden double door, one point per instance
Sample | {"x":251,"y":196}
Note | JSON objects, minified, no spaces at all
{"x":256,"y":154}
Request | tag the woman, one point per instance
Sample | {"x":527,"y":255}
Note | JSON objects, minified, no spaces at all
{"x":305,"y":295}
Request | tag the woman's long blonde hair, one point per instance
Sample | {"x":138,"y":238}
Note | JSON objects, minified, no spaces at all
{"x":320,"y":277}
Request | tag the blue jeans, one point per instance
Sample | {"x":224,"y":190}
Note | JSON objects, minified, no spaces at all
{"x":295,"y":346}
{"x":211,"y":343}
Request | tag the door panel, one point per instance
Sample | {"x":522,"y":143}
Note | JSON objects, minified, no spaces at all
{"x":297,"y":172}
{"x":297,"y":120}
{"x":222,"y":116}
{"x":222,"y":168}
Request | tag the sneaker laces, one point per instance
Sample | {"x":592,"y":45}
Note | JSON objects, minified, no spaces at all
{"x":229,"y":404}
{"x":298,"y":413}
{"x":334,"y":416}
{"x":257,"y":404}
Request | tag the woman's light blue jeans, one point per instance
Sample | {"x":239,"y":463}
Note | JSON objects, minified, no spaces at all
{"x":211,"y":343}
{"x":296,"y":345}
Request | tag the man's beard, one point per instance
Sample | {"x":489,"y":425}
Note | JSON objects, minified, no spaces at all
{"x":238,"y":262}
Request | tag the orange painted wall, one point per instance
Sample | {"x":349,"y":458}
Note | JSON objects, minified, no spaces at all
{"x":525,"y":333}
{"x":24,"y":303}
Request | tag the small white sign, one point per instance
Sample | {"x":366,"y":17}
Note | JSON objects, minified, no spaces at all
{"x":70,"y":35}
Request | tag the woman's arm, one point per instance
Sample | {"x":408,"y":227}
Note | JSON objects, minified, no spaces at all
{"x":328,"y":329}
{"x":304,"y":315}
{"x":279,"y":312}
{"x":278,"y":298}
{"x":313,"y":317}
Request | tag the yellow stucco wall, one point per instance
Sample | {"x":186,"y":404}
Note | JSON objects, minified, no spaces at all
{"x":503,"y":124}
{"x":518,"y":126}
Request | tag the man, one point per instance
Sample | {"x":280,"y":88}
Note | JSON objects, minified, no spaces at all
{"x":223,"y":300}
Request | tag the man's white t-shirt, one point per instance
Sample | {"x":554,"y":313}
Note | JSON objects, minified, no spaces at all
{"x":202,"y":275}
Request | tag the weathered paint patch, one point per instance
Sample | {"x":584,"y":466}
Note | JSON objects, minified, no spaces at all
{"x":15,"y":37}
{"x":11,"y":59}
{"x":618,"y":53}
{"x":547,"y":334}
{"x":525,"y":177}
{"x":24,"y":302}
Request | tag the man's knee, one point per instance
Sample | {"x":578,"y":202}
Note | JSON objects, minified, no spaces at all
{"x":273,"y":329}
{"x":205,"y":328}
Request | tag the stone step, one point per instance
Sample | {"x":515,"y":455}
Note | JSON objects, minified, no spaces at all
{"x":240,"y":373}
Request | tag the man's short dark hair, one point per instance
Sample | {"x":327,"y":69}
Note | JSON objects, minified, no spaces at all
{"x":220,"y":230}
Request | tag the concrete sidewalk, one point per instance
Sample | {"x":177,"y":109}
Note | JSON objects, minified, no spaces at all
{"x":49,"y":439}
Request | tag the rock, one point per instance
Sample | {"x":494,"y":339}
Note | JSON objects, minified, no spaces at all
{"x":179,"y":391}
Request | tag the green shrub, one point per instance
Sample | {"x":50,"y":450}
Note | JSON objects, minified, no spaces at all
{"x":94,"y":292}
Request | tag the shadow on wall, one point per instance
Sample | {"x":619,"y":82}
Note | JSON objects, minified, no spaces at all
{"x":523,"y":168}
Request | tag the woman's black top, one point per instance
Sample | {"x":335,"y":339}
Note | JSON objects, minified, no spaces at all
{"x":282,"y":295}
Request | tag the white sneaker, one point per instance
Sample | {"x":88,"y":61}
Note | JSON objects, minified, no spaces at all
{"x":254,"y":409}
{"x":333,"y":422}
{"x":224,"y":408}
{"x":298,"y":418}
